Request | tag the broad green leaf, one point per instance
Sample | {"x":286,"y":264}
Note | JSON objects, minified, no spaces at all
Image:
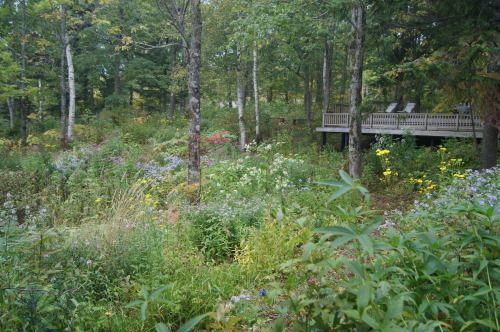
{"x":144,"y":308}
{"x":369,"y":320}
{"x":338,"y":193}
{"x":366,"y":243}
{"x":346,"y":177}
{"x":355,"y":267}
{"x":133,"y":303}
{"x":394,"y":309}
{"x":190,"y":324}
{"x":336,"y":230}
{"x":363,"y":297}
{"x":160,"y":327}
{"x":331,"y":183}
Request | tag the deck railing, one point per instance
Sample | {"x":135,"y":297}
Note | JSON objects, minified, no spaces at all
{"x":418,"y":121}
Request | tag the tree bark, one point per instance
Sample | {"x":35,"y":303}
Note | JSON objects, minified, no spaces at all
{"x":489,"y":146}
{"x":356,"y":72}
{"x":327,"y":74}
{"x":62,"y":81}
{"x":241,"y":95}
{"x":258,"y":134}
{"x":71,"y":87}
{"x":23,"y":99}
{"x":172,"y":82}
{"x":307,"y":94}
{"x":11,"y":104}
{"x":343,"y":82}
{"x":194,"y":94}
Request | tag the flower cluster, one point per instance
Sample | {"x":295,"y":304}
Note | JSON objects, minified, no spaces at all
{"x":245,"y":296}
{"x":381,"y":152}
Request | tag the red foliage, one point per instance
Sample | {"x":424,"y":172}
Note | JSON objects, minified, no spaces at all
{"x":217,"y":138}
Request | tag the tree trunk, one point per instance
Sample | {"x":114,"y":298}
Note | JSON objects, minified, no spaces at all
{"x":489,"y":146}
{"x":358,"y":21}
{"x":23,"y":99}
{"x":258,"y":135}
{"x":194,"y":95}
{"x":11,"y":104}
{"x":241,"y":95}
{"x":40,"y":100}
{"x":307,"y":94}
{"x":71,"y":87}
{"x":172,"y":82}
{"x":343,"y":82}
{"x":327,"y":74}
{"x":62,"y":81}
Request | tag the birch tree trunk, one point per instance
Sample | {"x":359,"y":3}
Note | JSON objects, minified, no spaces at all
{"x":194,"y":94}
{"x":23,"y":99}
{"x":62,"y":81}
{"x":71,"y":87}
{"x":258,"y":134}
{"x":241,"y":95}
{"x":358,"y":21}
{"x":327,"y":74}
{"x":11,"y":104}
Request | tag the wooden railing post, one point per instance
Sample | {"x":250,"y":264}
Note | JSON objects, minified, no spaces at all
{"x":458,"y":122}
{"x":426,"y":121}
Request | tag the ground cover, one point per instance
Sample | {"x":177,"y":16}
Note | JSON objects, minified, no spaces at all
{"x":101,"y":237}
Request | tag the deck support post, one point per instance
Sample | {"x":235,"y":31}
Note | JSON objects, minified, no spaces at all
{"x":323,"y":139}
{"x":344,"y":141}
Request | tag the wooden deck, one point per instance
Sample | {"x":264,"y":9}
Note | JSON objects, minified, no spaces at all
{"x":418,"y":124}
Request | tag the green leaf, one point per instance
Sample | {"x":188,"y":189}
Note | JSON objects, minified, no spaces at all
{"x":369,"y":320}
{"x":133,"y":303}
{"x":394,"y":309}
{"x":187,"y":326}
{"x":331,"y":183}
{"x":160,"y":327}
{"x":366,"y":243}
{"x":338,"y":193}
{"x":363,"y":297}
{"x":336,"y":230}
{"x":355,"y":267}
{"x":144,"y":308}
{"x":346,"y":177}
{"x":483,"y":264}
{"x":159,"y":290}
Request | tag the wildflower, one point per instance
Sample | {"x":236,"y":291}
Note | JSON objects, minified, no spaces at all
{"x":89,"y":262}
{"x":263,"y":292}
{"x":53,"y":279}
{"x":98,"y":200}
{"x":442,"y":168}
{"x":107,"y":313}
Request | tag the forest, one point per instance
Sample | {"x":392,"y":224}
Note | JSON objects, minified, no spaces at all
{"x":160,"y":168}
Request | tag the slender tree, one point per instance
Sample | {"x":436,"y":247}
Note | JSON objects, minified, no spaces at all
{"x":194,"y":93}
{"x":358,"y":20}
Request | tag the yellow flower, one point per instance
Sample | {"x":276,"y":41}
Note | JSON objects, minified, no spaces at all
{"x":98,"y":200}
{"x":458,"y":175}
{"x":107,"y":313}
{"x":443,"y":168}
{"x":442,"y":149}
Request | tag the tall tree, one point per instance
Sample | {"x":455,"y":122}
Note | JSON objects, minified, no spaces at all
{"x":358,"y":21}
{"x":194,"y":93}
